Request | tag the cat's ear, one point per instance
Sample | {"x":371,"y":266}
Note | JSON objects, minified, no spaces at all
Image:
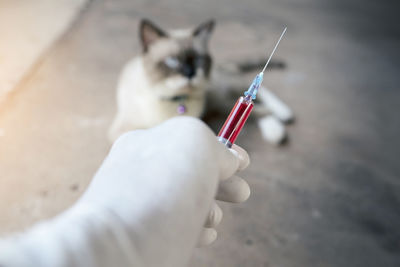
{"x":203,"y":31}
{"x":149,"y":33}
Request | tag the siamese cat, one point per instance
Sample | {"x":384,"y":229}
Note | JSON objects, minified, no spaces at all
{"x":168,"y":79}
{"x":171,"y":77}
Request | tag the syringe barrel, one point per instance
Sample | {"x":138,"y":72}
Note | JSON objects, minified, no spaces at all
{"x":235,"y":121}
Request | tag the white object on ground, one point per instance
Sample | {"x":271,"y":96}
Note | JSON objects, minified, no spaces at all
{"x":272,"y":129}
{"x":275,"y":105}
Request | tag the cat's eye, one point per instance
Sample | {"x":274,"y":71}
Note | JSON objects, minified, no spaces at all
{"x":172,"y":62}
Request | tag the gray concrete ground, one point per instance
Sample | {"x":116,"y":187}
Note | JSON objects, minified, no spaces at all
{"x":330,"y":197}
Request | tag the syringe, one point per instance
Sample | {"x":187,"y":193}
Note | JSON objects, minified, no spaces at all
{"x":242,"y":109}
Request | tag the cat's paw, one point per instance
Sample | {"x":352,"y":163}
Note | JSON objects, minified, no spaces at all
{"x":275,"y":105}
{"x":272,"y":129}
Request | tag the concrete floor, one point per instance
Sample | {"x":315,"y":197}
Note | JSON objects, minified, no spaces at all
{"x":330,"y":197}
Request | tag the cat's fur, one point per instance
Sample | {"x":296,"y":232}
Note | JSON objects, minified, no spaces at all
{"x":172,"y":71}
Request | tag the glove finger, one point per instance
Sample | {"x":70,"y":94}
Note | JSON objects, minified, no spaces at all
{"x":207,"y":236}
{"x":244,"y":159}
{"x":229,"y":161}
{"x":214,"y":216}
{"x":234,"y":189}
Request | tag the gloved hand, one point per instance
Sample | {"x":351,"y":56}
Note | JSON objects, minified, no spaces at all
{"x":147,"y":204}
{"x":161,"y":162}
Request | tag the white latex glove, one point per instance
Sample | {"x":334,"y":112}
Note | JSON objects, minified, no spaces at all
{"x":146,"y":206}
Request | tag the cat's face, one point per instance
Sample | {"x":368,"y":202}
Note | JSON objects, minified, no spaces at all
{"x":177,"y":62}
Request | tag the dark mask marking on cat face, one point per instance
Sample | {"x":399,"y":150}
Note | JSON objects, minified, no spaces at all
{"x":186,"y":63}
{"x":166,"y":55}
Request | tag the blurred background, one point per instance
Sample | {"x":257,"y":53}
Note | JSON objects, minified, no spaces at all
{"x":328,"y":197}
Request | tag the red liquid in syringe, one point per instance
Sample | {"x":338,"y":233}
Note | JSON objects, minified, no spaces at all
{"x":235,"y":121}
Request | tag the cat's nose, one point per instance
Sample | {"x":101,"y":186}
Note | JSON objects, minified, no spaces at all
{"x":188,"y":71}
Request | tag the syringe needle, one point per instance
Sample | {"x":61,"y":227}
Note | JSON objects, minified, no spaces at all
{"x":273,"y":51}
{"x":253,"y":89}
